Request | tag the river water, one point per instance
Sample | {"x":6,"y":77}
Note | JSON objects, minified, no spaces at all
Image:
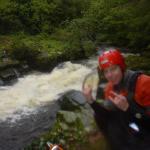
{"x":28,"y":108}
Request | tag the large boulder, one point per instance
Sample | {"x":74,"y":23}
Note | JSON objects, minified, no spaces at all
{"x":73,"y":106}
{"x":73,"y":121}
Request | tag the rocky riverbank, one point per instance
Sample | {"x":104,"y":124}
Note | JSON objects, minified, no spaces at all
{"x":74,"y":127}
{"x":11,"y":70}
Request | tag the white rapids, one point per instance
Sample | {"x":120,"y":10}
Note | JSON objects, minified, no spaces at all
{"x":37,"y":89}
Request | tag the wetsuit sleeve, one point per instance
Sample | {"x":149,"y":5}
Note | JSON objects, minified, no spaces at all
{"x":98,"y":109}
{"x":142,"y":90}
{"x":101,"y":116}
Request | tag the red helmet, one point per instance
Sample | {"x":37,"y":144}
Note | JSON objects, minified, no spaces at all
{"x":111,"y":57}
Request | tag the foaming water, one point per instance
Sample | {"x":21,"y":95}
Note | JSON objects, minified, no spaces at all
{"x":38,"y":89}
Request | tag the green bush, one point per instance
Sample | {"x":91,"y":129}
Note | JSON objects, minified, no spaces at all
{"x":138,"y":63}
{"x":89,"y":48}
{"x":23,"y":52}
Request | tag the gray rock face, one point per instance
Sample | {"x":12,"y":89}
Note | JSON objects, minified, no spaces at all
{"x":73,"y":106}
{"x":9,"y":74}
{"x":76,"y":97}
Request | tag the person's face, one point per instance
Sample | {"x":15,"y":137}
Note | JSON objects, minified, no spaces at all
{"x":113,"y":74}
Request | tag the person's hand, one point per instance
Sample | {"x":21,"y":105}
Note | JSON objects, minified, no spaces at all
{"x":87,"y":91}
{"x":119,"y":100}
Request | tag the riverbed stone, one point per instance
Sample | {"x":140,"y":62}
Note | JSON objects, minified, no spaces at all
{"x":73,"y":107}
{"x":8,"y":74}
{"x":10,"y":71}
{"x":72,"y":100}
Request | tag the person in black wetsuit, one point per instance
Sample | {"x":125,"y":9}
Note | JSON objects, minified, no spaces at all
{"x":126,"y":125}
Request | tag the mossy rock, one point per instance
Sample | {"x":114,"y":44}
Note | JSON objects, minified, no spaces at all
{"x":68,"y":105}
{"x":68,"y":116}
{"x":73,"y":100}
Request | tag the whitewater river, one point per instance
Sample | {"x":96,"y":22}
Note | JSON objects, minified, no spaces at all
{"x":28,"y":108}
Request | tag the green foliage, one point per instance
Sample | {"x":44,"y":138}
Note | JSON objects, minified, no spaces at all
{"x":35,"y":16}
{"x":75,"y":133}
{"x":21,"y":51}
{"x":143,"y":65}
{"x":80,"y":44}
{"x":71,"y":29}
{"x":67,"y":134}
{"x":89,"y":48}
{"x":122,"y":23}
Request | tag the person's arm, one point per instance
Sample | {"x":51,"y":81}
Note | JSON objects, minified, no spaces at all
{"x":87,"y":92}
{"x":142,"y":91}
{"x":99,"y":109}
{"x":99,"y":105}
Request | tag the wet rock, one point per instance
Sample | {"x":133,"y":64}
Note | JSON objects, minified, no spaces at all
{"x":8,"y":75}
{"x":10,"y":71}
{"x":76,"y":97}
{"x":72,"y":100}
{"x":23,"y":69}
{"x":74,"y":106}
{"x":1,"y":82}
{"x":73,"y":122}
